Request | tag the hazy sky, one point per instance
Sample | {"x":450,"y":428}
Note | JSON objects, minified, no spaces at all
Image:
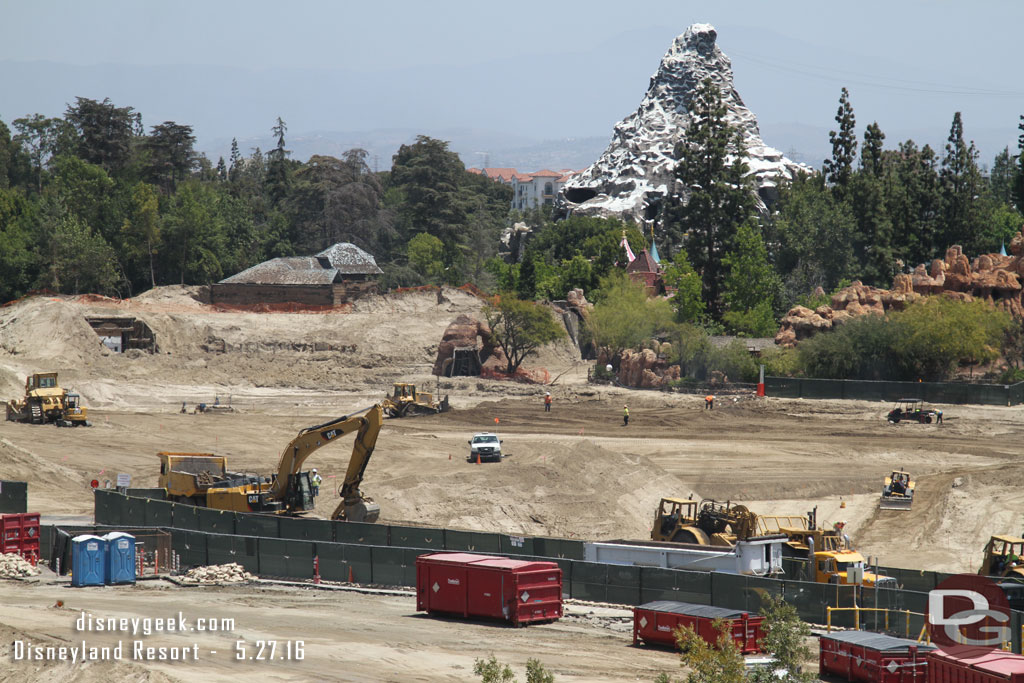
{"x":532,"y":69}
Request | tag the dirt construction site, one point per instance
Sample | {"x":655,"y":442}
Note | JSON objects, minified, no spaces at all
{"x":574,"y":472}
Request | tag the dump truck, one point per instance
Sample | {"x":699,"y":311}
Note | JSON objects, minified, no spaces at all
{"x":897,"y":491}
{"x":406,"y":401}
{"x":829,"y":556}
{"x":203,"y":478}
{"x":45,"y":401}
{"x":1004,"y":558}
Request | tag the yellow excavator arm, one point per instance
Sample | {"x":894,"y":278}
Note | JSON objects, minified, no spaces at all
{"x":366,"y":424}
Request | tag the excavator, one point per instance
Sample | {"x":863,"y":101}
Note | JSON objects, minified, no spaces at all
{"x":203,"y":479}
{"x":830,"y":557}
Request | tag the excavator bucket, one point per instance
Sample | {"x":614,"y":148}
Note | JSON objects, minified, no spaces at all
{"x":895,"y":502}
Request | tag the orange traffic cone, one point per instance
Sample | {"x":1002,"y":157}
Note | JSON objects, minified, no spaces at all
{"x":350,"y":574}
{"x":477,"y":458}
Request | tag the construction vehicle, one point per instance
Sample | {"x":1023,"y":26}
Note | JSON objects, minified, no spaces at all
{"x":911,"y":410}
{"x":714,"y":523}
{"x":203,"y":479}
{"x":406,"y":401}
{"x":45,"y":401}
{"x":1004,"y":558}
{"x":897,"y":491}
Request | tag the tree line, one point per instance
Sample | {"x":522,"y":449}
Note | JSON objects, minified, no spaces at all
{"x":92,"y":201}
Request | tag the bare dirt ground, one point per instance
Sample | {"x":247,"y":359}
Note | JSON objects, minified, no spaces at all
{"x":574,"y":472}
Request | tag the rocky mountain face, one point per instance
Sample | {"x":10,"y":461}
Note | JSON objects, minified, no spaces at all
{"x":635,"y":172}
{"x":992,"y":277}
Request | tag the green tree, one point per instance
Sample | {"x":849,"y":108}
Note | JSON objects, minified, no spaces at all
{"x":816,"y":234}
{"x":520,"y":328}
{"x":914,"y":203}
{"x":105,"y":132}
{"x":871,"y":156}
{"x":81,"y":260}
{"x":1002,"y":177}
{"x":961,"y":184}
{"x":424,"y":253}
{"x":713,"y":193}
{"x":625,"y":317}
{"x":493,"y":671}
{"x":172,"y":154}
{"x":19,"y":257}
{"x":752,"y":287}
{"x":235,"y":162}
{"x":839,"y":169}
{"x":142,"y":228}
{"x":718,"y":663}
{"x":39,"y":136}
{"x":687,"y":301}
{"x":526,"y":284}
{"x":429,"y":175}
{"x":278,"y":177}
{"x":195,"y":234}
{"x":786,"y":641}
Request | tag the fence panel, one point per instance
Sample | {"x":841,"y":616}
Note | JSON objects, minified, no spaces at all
{"x":360,"y":532}
{"x":153,"y":494}
{"x":216,"y":521}
{"x":106,"y":507}
{"x":869,"y":390}
{"x":809,"y":599}
{"x":264,"y":526}
{"x":516,"y":545}
{"x":472,"y":541}
{"x":623,"y":585}
{"x":226,"y":549}
{"x":186,"y":517}
{"x":133,"y":511}
{"x":589,"y":581}
{"x":301,"y":529}
{"x":658,"y":584}
{"x":388,"y":565}
{"x":159,"y":512}
{"x":191,"y":549}
{"x":417,"y":537}
{"x":13,"y":497}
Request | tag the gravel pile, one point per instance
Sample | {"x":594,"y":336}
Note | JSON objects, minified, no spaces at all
{"x":221,"y":573}
{"x":13,"y":565}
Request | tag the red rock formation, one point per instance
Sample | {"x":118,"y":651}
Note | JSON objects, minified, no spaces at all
{"x":463,"y":332}
{"x":992,"y":277}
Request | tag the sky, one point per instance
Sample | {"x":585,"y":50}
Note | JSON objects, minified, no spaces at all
{"x":523,"y":72}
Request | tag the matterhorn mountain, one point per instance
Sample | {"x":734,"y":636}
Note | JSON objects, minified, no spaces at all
{"x":635,"y":173}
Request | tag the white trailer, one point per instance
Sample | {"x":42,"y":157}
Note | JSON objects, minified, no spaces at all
{"x":753,"y":557}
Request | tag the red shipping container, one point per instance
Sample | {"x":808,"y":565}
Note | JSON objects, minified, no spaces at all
{"x":875,"y":657}
{"x":656,"y":622}
{"x":986,"y":666}
{"x":19,"y":534}
{"x":519,"y":591}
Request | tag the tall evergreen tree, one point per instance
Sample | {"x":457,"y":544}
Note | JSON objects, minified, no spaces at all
{"x":712,"y":193}
{"x":839,"y":168}
{"x":871,"y":155}
{"x":105,"y":132}
{"x":961,"y":184}
{"x":39,"y":136}
{"x":172,"y":154}
{"x":235,"y":162}
{"x":278,"y":175}
{"x":1018,"y":182}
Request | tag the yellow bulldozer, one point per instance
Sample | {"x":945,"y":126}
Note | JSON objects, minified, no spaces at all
{"x":406,"y":401}
{"x":828,"y":554}
{"x":45,"y":401}
{"x":203,"y":478}
{"x":897,"y":491}
{"x":1004,"y":558}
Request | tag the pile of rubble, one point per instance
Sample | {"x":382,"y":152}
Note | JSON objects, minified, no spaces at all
{"x":14,"y":566}
{"x":990,"y":277}
{"x":220,"y":573}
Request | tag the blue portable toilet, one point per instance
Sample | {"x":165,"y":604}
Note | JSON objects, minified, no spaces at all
{"x":120,"y":557}
{"x":88,"y":560}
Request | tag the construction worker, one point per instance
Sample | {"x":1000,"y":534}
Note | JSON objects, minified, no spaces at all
{"x":625,"y":415}
{"x":547,"y":402}
{"x":183,"y":411}
{"x":938,"y":416}
{"x":316,"y":480}
{"x":709,"y":402}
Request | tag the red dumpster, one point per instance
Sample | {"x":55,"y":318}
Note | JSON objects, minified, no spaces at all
{"x":519,"y":591}
{"x":875,"y":657}
{"x":19,"y":534}
{"x":656,"y":622}
{"x":984,"y":666}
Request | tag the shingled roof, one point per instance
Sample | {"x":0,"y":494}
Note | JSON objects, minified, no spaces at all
{"x":329,"y":266}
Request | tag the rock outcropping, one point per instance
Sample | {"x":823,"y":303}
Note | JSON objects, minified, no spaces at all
{"x":635,"y":173}
{"x":991,"y":277}
{"x":463,"y":333}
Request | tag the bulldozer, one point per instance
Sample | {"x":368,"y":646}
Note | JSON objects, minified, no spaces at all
{"x":1004,"y":558}
{"x":45,"y":401}
{"x":203,"y":479}
{"x":406,"y":401}
{"x":829,"y":556}
{"x":897,"y":491}
{"x":710,"y":522}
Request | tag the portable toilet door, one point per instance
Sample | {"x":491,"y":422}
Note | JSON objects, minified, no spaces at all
{"x":88,"y":560}
{"x":120,"y":557}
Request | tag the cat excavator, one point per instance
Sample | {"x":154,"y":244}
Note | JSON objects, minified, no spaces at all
{"x":202,"y":479}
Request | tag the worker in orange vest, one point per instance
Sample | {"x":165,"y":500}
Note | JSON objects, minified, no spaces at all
{"x":547,"y":402}
{"x":709,"y":402}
